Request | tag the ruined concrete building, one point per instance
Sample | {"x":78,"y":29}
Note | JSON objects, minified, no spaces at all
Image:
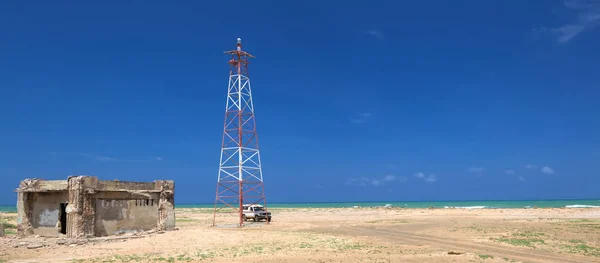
{"x":83,"y":206}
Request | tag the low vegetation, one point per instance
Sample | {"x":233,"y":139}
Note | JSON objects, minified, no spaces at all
{"x":523,"y":242}
{"x":9,"y":228}
{"x":535,"y":239}
{"x":311,"y":242}
{"x":198,"y":256}
{"x":581,"y":248}
{"x":485,"y":256}
{"x":8,"y":225}
{"x":185,"y":220}
{"x":581,"y":224}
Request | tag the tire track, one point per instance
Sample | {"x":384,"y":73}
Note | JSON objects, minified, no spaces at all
{"x":468,"y":246}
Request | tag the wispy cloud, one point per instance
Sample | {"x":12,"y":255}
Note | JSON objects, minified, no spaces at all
{"x":430,"y":178}
{"x":521,"y":178}
{"x":586,"y":18}
{"x":419,"y":175}
{"x":103,"y":158}
{"x":389,"y":177}
{"x":476,"y":170}
{"x":531,"y":166}
{"x":509,"y":171}
{"x":375,"y":181}
{"x":362,"y":181}
{"x":361,"y":117}
{"x":99,"y":157}
{"x":376,"y":33}
{"x":547,"y":170}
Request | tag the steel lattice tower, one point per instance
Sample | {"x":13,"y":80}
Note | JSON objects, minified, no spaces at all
{"x":240,"y":178}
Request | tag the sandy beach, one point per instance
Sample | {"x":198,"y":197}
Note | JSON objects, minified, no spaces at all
{"x":345,"y":235}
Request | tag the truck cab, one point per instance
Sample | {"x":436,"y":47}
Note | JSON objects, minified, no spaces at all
{"x":256,"y":213}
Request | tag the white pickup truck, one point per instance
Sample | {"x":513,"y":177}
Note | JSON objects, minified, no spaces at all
{"x":256,"y":212}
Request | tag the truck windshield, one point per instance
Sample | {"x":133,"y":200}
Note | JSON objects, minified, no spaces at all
{"x":258,"y":209}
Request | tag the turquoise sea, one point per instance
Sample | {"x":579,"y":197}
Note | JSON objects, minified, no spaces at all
{"x":436,"y":204}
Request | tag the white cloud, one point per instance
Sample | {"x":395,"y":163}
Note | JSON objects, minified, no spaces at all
{"x":431,"y":178}
{"x":547,"y":170}
{"x":419,"y":175}
{"x":365,"y":181}
{"x":375,"y":33}
{"x":530,"y":166}
{"x":567,"y":32}
{"x":376,"y":182}
{"x":586,"y":18}
{"x":389,"y":177}
{"x":362,"y":181}
{"x":521,"y":178}
{"x":509,"y":171}
{"x":113,"y":159}
{"x":361,"y":117}
{"x":99,"y":157}
{"x":476,"y":170}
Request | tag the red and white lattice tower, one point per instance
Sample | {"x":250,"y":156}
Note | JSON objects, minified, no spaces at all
{"x":240,"y":180}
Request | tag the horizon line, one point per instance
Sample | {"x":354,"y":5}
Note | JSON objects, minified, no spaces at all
{"x":340,"y":202}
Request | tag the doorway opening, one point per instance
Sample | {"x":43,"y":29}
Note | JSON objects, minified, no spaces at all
{"x":63,"y":218}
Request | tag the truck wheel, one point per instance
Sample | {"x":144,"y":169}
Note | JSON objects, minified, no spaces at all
{"x":244,"y":217}
{"x":255,"y":218}
{"x":269,"y":219}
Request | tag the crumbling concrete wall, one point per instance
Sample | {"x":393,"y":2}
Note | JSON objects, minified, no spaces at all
{"x":24,"y":227}
{"x":124,"y":186}
{"x":81,"y":209}
{"x":122,"y":216}
{"x":37,"y":201}
{"x":45,"y":212}
{"x":94,"y":208}
{"x":166,"y":205}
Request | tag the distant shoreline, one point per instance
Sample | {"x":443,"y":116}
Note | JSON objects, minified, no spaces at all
{"x":572,"y":203}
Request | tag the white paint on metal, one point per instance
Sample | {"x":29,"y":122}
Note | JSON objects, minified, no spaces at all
{"x":239,"y":98}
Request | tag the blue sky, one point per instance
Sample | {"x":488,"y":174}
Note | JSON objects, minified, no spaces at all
{"x":365,"y":100}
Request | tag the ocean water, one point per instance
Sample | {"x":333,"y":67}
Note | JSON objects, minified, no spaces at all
{"x":8,"y":208}
{"x":435,"y":204}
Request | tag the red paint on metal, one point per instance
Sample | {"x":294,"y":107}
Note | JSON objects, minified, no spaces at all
{"x":239,"y":133}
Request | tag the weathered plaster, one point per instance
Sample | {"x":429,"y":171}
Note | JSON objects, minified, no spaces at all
{"x":95,"y":208}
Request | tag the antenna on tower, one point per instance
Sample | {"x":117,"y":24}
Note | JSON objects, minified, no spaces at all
{"x":240,"y":179}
